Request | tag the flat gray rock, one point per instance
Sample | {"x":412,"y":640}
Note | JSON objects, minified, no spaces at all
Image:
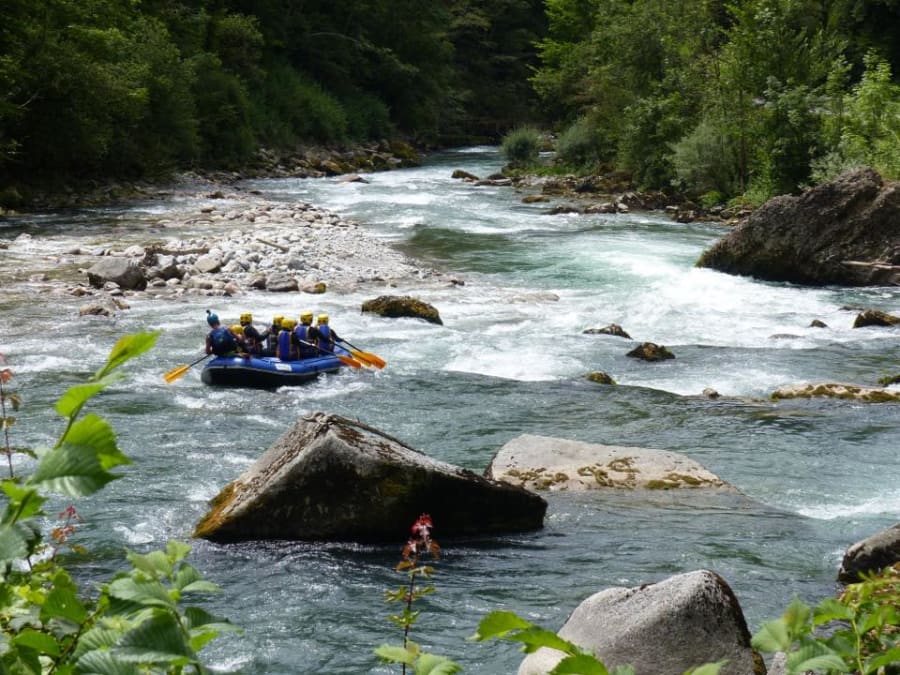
{"x":871,"y":555}
{"x":545,"y":463}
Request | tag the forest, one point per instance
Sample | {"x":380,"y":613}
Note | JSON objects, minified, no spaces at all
{"x":721,"y":100}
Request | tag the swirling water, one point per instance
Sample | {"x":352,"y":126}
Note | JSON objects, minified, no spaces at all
{"x":815,"y":476}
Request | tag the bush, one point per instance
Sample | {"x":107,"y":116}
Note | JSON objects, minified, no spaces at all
{"x":294,"y":107}
{"x":580,"y":145}
{"x":367,"y":117}
{"x":521,"y":147}
{"x":703,"y":161}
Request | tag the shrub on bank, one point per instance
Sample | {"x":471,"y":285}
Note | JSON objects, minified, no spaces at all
{"x":521,"y":147}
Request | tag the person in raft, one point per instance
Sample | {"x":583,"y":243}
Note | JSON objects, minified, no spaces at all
{"x":253,"y":339}
{"x":307,"y":337}
{"x":220,"y":341}
{"x":271,"y":346}
{"x":327,"y":336}
{"x":287,"y":345}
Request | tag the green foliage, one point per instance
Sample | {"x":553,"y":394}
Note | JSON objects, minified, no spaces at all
{"x":141,"y":621}
{"x":521,"y":147}
{"x":703,"y":160}
{"x":862,"y":636}
{"x":580,"y":145}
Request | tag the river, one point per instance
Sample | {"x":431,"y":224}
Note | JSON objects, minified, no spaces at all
{"x":815,"y":476}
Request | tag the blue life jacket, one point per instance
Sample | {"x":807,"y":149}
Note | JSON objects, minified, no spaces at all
{"x":222,"y":341}
{"x":286,"y":350}
{"x":326,"y":339}
{"x":302,"y":332}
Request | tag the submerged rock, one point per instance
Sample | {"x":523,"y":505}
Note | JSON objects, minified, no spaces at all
{"x":329,"y":478}
{"x":871,"y":555}
{"x":844,"y":232}
{"x":650,"y":351}
{"x":611,"y":329}
{"x":665,"y":628}
{"x":395,"y":306}
{"x":835,"y":390}
{"x":545,"y":463}
{"x":874,"y":317}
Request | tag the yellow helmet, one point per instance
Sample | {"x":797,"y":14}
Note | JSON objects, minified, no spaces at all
{"x":237,"y":329}
{"x":323,"y":318}
{"x":288,"y":324}
{"x":276,"y":320}
{"x":306,"y":317}
{"x":246,"y":317}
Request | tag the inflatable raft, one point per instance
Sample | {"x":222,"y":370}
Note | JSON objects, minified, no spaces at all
{"x":267,"y":372}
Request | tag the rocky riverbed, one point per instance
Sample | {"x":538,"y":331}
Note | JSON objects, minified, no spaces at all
{"x":207,"y":239}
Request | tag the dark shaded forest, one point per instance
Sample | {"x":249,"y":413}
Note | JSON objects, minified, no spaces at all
{"x":719,"y":99}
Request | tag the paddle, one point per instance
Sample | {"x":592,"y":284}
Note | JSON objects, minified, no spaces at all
{"x":365,"y":357}
{"x":178,"y":372}
{"x":344,"y":359}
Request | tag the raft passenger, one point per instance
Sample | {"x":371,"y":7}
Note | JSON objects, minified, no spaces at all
{"x":219,"y":340}
{"x":271,"y":348}
{"x":307,"y":337}
{"x":253,"y":339}
{"x":287,"y":347}
{"x":327,"y":336}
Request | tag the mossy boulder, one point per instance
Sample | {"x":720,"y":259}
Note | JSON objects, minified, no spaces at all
{"x":599,"y":377}
{"x":332,"y":479}
{"x":397,"y":306}
{"x":650,"y":351}
{"x":612,"y":329}
{"x":543,"y":463}
{"x":874,"y":317}
{"x":851,"y":392}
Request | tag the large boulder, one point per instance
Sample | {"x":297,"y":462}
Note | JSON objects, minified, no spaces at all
{"x":121,"y":271}
{"x":871,"y":555}
{"x":650,"y":351}
{"x":329,"y":478}
{"x":545,"y":463}
{"x":665,"y":628}
{"x":395,"y":306}
{"x":844,"y":232}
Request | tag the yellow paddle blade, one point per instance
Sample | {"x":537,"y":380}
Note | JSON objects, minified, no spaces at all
{"x":350,"y":362}
{"x":175,"y":373}
{"x":369,"y":358}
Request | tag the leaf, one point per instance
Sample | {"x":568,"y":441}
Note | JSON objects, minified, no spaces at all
{"x":104,"y":662}
{"x":177,"y":551}
{"x":144,"y":593}
{"x":79,"y":466}
{"x":431,"y":664}
{"x":71,"y":402}
{"x":580,"y":664}
{"x":42,"y":643}
{"x":772,"y":637}
{"x":832,"y":610}
{"x":498,"y":623}
{"x":189,"y":580}
{"x":197,"y":617}
{"x":536,"y":637}
{"x":13,"y":543}
{"x":827,"y":662}
{"x":156,"y":563}
{"x":24,"y":502}
{"x":159,"y":639}
{"x":890,"y":657}
{"x":394,"y":654}
{"x":127,"y":348}
{"x":97,"y":638}
{"x":62,"y":601}
{"x":708,"y":668}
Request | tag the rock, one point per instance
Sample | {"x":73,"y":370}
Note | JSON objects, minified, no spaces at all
{"x":888,"y":380}
{"x":871,"y":555}
{"x":93,"y":310}
{"x":844,"y":232}
{"x":816,"y":323}
{"x":208,"y":264}
{"x":544,"y":463}
{"x":281,"y":282}
{"x":395,"y":306}
{"x":330,"y":478}
{"x":649,"y":351}
{"x":352,"y":178}
{"x":120,"y":271}
{"x":316,"y":288}
{"x":836,"y":390}
{"x":464,"y":175}
{"x":134,"y":252}
{"x":534,"y":199}
{"x":600,"y":377}
{"x":611,"y":329}
{"x":664,"y":628}
{"x":710,"y":393}
{"x":874,"y":317}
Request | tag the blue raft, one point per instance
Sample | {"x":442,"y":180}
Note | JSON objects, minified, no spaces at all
{"x":267,"y":372}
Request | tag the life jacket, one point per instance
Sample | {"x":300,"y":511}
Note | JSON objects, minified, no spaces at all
{"x":287,"y":351}
{"x":252,"y":339}
{"x":272,"y":340}
{"x":304,"y":332}
{"x":222,"y":341}
{"x":326,"y":339}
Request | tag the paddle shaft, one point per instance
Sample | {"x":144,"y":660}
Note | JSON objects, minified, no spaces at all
{"x":340,"y":357}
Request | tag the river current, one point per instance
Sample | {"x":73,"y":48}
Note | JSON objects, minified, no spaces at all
{"x":815,"y":476}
